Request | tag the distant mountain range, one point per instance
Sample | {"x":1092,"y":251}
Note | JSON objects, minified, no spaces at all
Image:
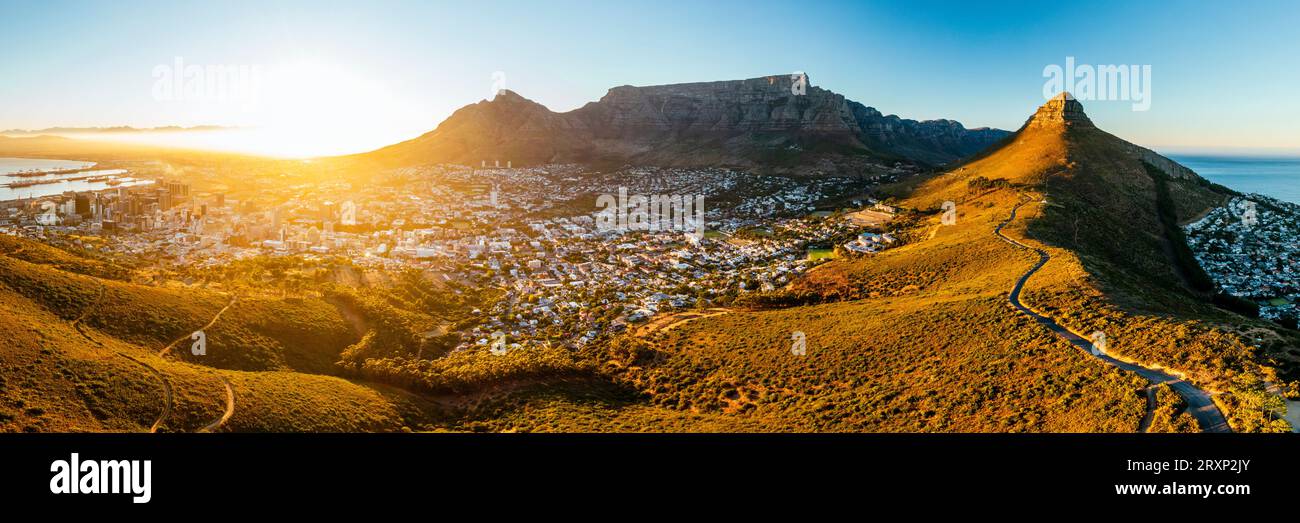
{"x":775,"y":123}
{"x":117,"y":129}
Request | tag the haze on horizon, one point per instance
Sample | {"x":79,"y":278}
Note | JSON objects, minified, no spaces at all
{"x":350,"y":77}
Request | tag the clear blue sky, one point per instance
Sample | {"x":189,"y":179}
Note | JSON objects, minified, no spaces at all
{"x":1223,"y":73}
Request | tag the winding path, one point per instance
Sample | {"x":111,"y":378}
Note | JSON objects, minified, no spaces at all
{"x":1200,"y":405}
{"x":168,"y":397}
{"x":167,"y":392}
{"x":230,"y":390}
{"x":169,"y":346}
{"x":230,"y":409}
{"x":76,"y":324}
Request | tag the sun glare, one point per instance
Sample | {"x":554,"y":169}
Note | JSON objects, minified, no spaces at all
{"x":299,"y":110}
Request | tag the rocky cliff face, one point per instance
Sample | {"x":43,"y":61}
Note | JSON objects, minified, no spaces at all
{"x":1065,"y":112}
{"x":777,"y":123}
{"x":1062,"y":109}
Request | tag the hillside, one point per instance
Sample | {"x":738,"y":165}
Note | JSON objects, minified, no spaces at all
{"x":923,"y":338}
{"x":85,"y":353}
{"x":759,"y":124}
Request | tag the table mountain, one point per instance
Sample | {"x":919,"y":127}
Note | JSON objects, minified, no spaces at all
{"x":775,"y":123}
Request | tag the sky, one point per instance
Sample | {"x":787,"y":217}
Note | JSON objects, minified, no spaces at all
{"x":331,"y":77}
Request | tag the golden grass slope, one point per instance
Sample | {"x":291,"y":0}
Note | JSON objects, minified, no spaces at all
{"x":920,"y":338}
{"x":56,"y":377}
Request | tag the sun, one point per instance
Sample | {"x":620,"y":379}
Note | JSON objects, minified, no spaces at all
{"x":314,"y":109}
{"x":300,"y":110}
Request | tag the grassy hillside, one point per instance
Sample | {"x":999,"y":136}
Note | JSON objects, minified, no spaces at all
{"x":79,"y":353}
{"x":1115,"y":266}
{"x":921,"y":338}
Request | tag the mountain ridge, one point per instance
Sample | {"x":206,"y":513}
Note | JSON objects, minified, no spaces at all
{"x":119,"y":129}
{"x":777,"y":123}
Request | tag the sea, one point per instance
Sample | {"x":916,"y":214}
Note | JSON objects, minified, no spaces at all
{"x":56,"y":181}
{"x":1278,"y":177}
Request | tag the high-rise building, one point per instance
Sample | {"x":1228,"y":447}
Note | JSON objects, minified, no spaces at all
{"x":178,"y":190}
{"x":82,"y":205}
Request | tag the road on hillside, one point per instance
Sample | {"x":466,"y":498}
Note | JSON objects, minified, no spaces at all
{"x":1200,"y":405}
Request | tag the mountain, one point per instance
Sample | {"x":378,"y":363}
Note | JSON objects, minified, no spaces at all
{"x":779,"y":123}
{"x":924,"y":337}
{"x":110,"y":130}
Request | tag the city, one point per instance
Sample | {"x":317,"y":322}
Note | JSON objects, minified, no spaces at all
{"x":529,"y":233}
{"x":1251,"y":248}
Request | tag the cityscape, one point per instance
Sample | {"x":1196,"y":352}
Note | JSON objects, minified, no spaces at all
{"x":1251,"y":248}
{"x":522,"y":231}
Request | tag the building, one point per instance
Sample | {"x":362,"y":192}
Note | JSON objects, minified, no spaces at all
{"x":81,"y":205}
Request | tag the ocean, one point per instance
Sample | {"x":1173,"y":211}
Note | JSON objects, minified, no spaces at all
{"x":15,"y":165}
{"x":19,"y":171}
{"x":1270,"y":176}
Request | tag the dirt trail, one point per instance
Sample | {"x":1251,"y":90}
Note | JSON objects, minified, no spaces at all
{"x":355,"y":319}
{"x":167,"y":392}
{"x":90,"y":307}
{"x":666,"y":322}
{"x":166,"y":350}
{"x":230,"y":409}
{"x":230,"y":391}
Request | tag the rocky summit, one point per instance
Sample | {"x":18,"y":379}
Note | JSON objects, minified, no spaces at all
{"x":1062,"y":109}
{"x":778,"y":123}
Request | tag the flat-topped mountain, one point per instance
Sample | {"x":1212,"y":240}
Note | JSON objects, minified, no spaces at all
{"x":779,"y":123}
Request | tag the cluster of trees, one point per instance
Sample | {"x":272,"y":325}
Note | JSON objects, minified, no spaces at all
{"x":391,"y":332}
{"x":1253,"y":408}
{"x":980,"y":183}
{"x":468,"y":371}
{"x":1236,"y":304}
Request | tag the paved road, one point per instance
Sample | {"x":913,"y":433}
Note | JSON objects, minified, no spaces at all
{"x":1200,"y":405}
